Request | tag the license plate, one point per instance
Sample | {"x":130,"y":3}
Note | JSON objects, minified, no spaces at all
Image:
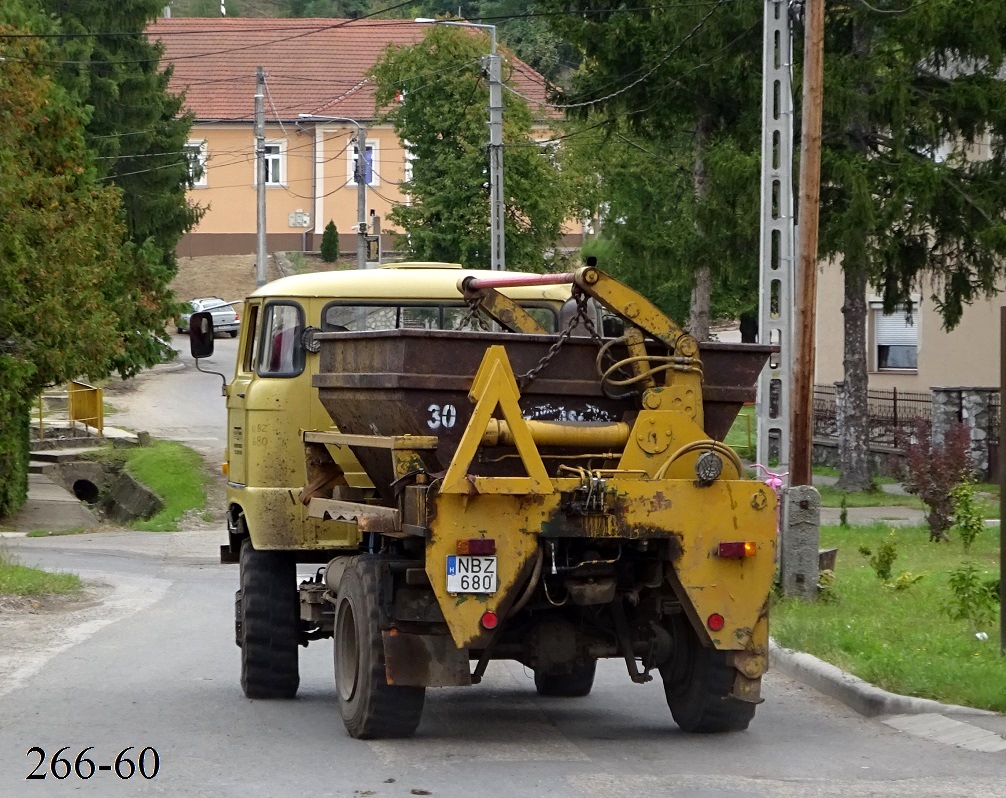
{"x":471,"y":574}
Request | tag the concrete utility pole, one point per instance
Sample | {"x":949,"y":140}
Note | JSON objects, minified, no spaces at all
{"x":496,"y":198}
{"x":497,"y":204}
{"x":810,"y":200}
{"x":360,"y":176}
{"x":260,"y":220}
{"x":775,"y":311}
{"x":361,"y":197}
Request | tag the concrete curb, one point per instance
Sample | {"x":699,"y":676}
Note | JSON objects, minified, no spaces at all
{"x":863,"y":697}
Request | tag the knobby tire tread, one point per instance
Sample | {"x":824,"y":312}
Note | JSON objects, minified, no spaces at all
{"x":699,"y":694}
{"x":270,"y":620}
{"x":377,"y":710}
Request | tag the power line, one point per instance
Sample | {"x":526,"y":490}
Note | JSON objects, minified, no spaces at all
{"x":636,"y":82}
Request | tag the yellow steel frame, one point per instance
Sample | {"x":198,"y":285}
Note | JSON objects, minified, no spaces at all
{"x":652,"y":494}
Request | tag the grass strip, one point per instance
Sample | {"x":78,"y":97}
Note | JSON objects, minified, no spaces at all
{"x":901,"y":640}
{"x":832,"y":497}
{"x":176,"y":474}
{"x":20,"y":580}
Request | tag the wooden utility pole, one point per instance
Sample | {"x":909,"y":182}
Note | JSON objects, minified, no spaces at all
{"x":1002,"y":483}
{"x":802,"y":439}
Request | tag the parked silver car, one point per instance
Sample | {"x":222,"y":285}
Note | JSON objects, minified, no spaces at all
{"x":225,"y":317}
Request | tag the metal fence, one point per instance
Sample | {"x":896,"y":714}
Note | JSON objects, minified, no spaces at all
{"x":891,"y":413}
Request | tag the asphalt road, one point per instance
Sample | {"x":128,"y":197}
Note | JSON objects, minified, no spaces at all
{"x":154,"y":664}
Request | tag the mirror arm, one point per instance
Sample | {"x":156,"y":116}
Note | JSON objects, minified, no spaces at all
{"x":223,"y":378}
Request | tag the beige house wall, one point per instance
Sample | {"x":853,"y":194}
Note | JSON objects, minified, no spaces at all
{"x":968,"y":356}
{"x":317,"y":180}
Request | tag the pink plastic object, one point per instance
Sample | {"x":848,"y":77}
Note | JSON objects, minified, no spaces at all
{"x":772,"y":479}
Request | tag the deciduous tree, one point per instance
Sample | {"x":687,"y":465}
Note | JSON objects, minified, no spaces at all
{"x":436,"y":98}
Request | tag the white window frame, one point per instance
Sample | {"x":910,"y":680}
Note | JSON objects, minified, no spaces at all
{"x":904,"y":334}
{"x":375,"y":163}
{"x":195,"y":150}
{"x":280,"y":157}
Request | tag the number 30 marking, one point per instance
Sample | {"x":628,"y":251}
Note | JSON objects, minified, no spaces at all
{"x":442,"y":416}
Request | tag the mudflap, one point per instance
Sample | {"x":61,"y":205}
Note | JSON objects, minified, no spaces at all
{"x":413,"y":660}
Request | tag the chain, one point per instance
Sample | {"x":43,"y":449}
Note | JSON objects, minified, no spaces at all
{"x":474,"y":314}
{"x":581,"y":316}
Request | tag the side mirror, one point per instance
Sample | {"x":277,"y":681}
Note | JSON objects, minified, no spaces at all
{"x":201,"y":334}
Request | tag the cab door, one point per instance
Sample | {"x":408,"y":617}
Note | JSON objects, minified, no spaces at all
{"x":237,"y":470}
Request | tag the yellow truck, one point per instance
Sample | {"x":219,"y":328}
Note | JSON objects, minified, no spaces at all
{"x":484,"y":466}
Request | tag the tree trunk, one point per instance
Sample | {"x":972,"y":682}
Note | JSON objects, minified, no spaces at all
{"x":853,"y":415}
{"x":698,"y":321}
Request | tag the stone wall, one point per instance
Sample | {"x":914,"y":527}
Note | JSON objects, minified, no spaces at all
{"x":971,"y":407}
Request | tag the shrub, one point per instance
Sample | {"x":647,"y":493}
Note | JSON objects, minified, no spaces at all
{"x":330,"y":243}
{"x":968,"y":518}
{"x":883,"y":561}
{"x":974,"y":599}
{"x":934,"y":470}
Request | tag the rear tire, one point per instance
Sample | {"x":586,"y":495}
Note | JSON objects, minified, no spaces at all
{"x":370,"y":707}
{"x":269,"y":621}
{"x":234,"y":333}
{"x":697,"y":685}
{"x":576,"y":684}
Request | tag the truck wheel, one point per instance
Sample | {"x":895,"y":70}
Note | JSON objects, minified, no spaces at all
{"x":371,"y":708}
{"x":697,"y":684}
{"x":567,"y":685}
{"x":234,"y":333}
{"x":269,"y":621}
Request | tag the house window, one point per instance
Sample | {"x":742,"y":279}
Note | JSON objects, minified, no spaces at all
{"x":896,"y":338}
{"x":195,"y":153}
{"x":372,"y":164}
{"x":275,"y":154}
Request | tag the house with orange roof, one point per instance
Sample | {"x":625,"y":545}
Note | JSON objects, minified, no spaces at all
{"x":316,"y":67}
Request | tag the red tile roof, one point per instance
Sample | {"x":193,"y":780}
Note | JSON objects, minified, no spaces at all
{"x":313,"y":66}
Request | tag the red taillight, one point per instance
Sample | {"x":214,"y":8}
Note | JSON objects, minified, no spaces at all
{"x":477,"y":547}
{"x":490,"y":620}
{"x":715,"y":622}
{"x":737,"y":550}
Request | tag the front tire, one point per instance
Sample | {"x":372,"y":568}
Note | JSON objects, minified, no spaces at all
{"x":697,"y":684}
{"x":370,"y":707}
{"x":575,"y":684}
{"x":269,"y":621}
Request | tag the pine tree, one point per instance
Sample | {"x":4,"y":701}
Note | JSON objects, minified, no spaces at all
{"x":913,"y":170}
{"x":138,"y":133}
{"x":330,"y":243}
{"x":675,"y":89}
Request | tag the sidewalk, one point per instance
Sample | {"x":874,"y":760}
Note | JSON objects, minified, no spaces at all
{"x":50,"y":506}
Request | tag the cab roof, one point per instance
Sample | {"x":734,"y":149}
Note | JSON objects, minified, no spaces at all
{"x":411,"y":280}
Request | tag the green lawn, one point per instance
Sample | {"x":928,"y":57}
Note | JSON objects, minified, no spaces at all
{"x":743,"y":433}
{"x":175,"y":473}
{"x":901,"y":640}
{"x":20,"y":580}
{"x":832,"y":497}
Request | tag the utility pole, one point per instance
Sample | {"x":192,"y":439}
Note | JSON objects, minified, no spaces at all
{"x":361,"y":197}
{"x":497,"y":205}
{"x":260,"y":221}
{"x":810,"y":198}
{"x":776,"y":277}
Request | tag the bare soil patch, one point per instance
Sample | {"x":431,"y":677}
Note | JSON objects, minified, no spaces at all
{"x":229,"y":277}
